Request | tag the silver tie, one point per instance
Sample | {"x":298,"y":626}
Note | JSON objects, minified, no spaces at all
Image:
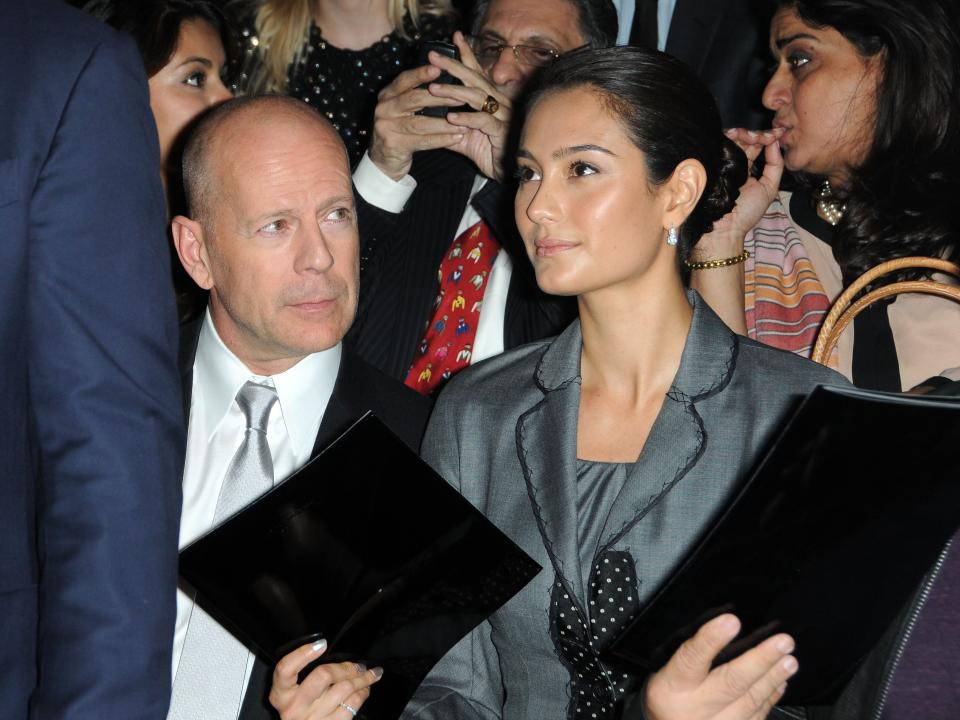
{"x":209,"y":679}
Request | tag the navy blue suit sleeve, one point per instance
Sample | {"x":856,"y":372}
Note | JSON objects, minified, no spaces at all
{"x":105,"y":402}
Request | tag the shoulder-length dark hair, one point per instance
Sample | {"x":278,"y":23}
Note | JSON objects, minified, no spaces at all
{"x":901,"y":199}
{"x":668,"y":113}
{"x":155,"y":26}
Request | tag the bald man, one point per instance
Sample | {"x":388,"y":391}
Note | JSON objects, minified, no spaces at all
{"x":273,"y":237}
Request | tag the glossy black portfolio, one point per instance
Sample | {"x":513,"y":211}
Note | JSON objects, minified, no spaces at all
{"x":828,"y":539}
{"x":367,"y":547}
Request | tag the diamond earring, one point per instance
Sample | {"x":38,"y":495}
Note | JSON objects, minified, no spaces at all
{"x":673,"y":237}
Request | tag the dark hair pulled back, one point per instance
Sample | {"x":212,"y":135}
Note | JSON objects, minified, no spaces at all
{"x":900,"y":199}
{"x":668,"y":113}
{"x":155,"y":26}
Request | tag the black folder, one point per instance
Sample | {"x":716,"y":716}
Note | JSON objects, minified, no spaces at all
{"x":828,"y":539}
{"x":367,"y":547}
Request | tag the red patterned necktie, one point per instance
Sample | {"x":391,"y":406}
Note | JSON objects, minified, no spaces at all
{"x":447,"y":344}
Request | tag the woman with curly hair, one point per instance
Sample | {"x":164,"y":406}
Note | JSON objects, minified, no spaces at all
{"x":866,"y":95}
{"x":337,"y":54}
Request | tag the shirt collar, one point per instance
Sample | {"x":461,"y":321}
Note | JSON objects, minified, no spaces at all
{"x":302,"y":391}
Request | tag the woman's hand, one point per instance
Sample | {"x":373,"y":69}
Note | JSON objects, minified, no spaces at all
{"x":755,"y":197}
{"x":745,"y":688}
{"x":485,"y":134}
{"x":330,"y":692}
{"x":723,"y":287}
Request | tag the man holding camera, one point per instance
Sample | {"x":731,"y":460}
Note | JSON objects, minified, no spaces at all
{"x":444,"y":277}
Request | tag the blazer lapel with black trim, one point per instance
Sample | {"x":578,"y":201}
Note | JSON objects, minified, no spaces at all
{"x":677,"y":439}
{"x":547,"y":445}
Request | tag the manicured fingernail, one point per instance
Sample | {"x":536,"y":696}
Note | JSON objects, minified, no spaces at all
{"x":782,"y":689}
{"x":454,"y":116}
{"x":318,"y":646}
{"x":730,"y":133}
{"x":728,"y":623}
{"x":751,"y":133}
{"x":361,"y":668}
{"x":790,"y":665}
{"x":377,"y":672}
{"x":785,"y":645}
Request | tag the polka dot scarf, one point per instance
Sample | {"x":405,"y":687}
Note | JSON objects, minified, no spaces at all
{"x":596,"y":691}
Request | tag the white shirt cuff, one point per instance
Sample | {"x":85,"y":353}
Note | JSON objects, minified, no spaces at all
{"x":379,"y":189}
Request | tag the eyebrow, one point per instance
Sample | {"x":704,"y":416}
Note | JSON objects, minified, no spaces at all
{"x":541,"y":39}
{"x":197,"y":59}
{"x":781,"y":43}
{"x":573,"y":149}
{"x":565,"y":151}
{"x":278,"y":213}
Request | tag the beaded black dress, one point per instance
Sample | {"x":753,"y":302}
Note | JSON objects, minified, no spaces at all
{"x":343,"y":84}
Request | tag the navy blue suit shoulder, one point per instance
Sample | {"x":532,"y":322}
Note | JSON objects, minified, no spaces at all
{"x":92,"y":446}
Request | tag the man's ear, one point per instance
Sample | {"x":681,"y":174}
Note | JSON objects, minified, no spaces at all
{"x":684,"y":189}
{"x":190,"y":242}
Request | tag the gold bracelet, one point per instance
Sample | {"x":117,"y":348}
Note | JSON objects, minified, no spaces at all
{"x":711,"y":264}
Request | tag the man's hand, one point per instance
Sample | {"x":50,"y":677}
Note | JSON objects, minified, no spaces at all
{"x":329,"y":692}
{"x":485,"y":134}
{"x":745,"y":688}
{"x":398,"y":131}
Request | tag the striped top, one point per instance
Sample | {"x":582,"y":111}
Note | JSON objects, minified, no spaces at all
{"x":785,"y":301}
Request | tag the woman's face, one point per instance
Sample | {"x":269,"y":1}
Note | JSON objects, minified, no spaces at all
{"x":588,"y":217}
{"x":189,"y":83}
{"x":824,"y":95}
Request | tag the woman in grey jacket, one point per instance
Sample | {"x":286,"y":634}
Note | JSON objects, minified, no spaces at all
{"x":605,"y":452}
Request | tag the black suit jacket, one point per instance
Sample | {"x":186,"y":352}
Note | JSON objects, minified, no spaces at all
{"x":400,"y":254}
{"x":725,"y":42}
{"x":359,"y":388}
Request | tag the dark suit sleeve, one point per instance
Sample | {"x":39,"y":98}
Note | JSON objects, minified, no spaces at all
{"x":374,"y":222}
{"x":105,"y":401}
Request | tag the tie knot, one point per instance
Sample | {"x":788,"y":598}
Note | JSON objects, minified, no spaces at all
{"x":256,"y":401}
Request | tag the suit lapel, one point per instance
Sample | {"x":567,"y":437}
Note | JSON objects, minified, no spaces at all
{"x":547,"y":443}
{"x":692,"y":31}
{"x":677,"y":439}
{"x":346,"y":404}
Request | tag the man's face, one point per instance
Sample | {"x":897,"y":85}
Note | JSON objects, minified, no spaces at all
{"x":550,"y":24}
{"x":282,"y":243}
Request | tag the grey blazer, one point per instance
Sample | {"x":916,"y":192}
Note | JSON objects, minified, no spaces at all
{"x":504,"y":433}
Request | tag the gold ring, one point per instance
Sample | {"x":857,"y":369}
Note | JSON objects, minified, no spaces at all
{"x":352,"y":711}
{"x":490,"y":105}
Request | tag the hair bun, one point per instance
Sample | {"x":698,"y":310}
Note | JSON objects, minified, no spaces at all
{"x":726,"y":189}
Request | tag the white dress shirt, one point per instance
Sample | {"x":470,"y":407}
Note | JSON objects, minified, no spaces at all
{"x":217,"y":426}
{"x":384,"y":192}
{"x":625,"y":13}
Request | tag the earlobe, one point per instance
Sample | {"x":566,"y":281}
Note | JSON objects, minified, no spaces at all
{"x":188,"y":239}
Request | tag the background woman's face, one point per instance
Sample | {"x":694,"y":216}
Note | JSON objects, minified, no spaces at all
{"x":588,"y":217}
{"x":189,"y":83}
{"x":824,"y":95}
